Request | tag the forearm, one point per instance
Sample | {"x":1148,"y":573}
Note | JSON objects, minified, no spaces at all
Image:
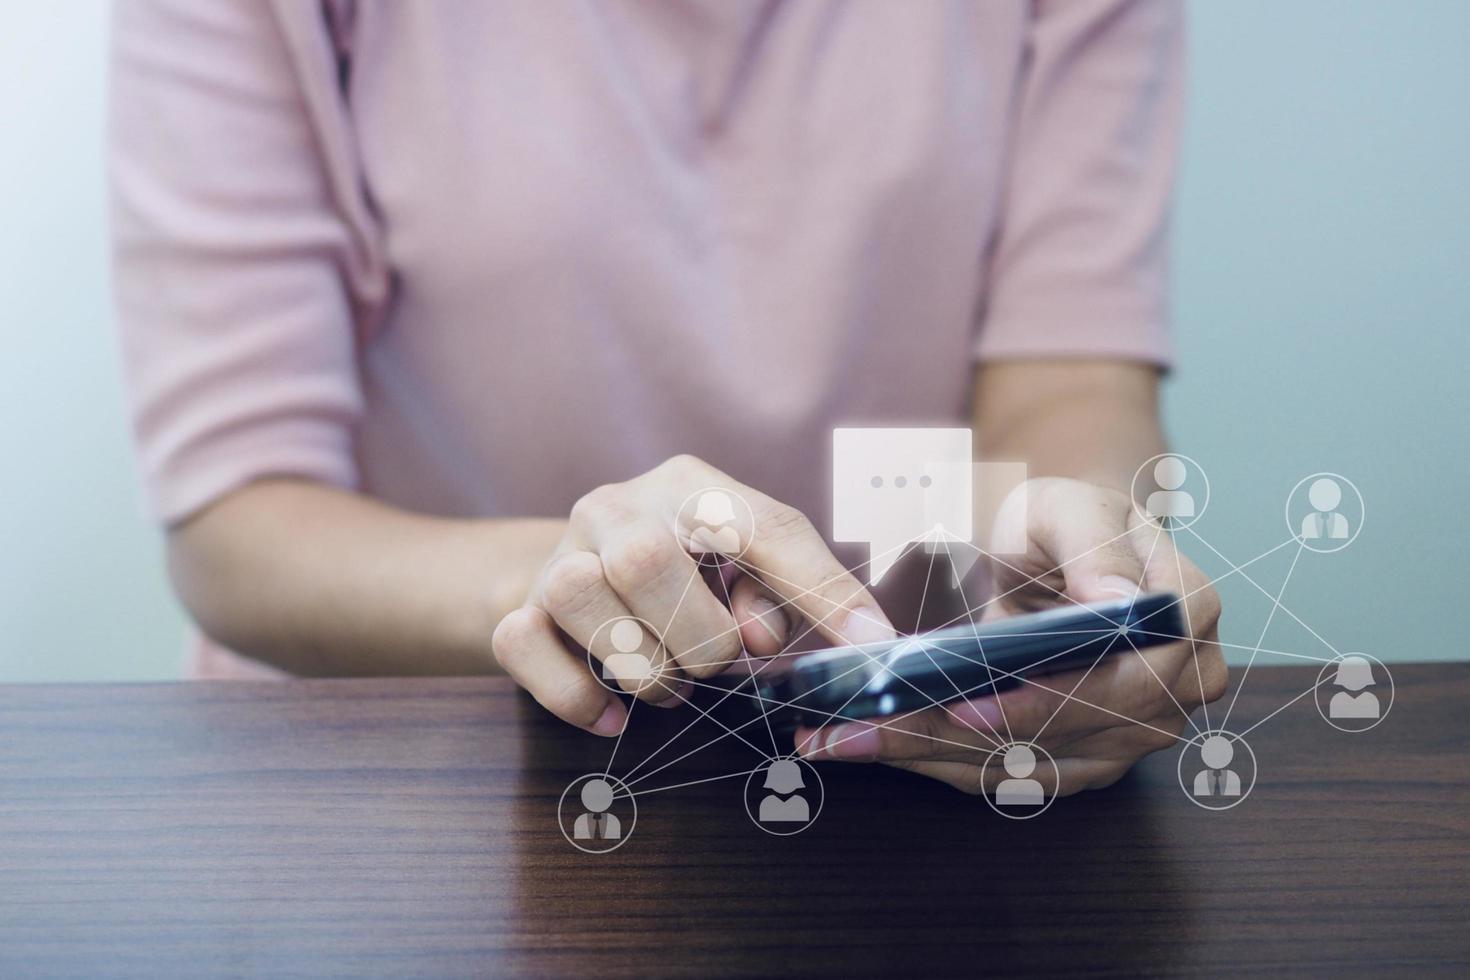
{"x":1091,"y":420}
{"x":319,"y":581}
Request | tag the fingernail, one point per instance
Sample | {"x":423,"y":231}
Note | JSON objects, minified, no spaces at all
{"x":866,"y":624}
{"x":679,"y":696}
{"x":611,"y":721}
{"x":853,"y":741}
{"x":979,"y":711}
{"x":1119,"y":586}
{"x":770,"y":618}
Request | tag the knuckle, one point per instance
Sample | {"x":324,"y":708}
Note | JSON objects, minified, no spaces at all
{"x":1042,"y":496}
{"x":1047,"y":488}
{"x":1216,"y":679}
{"x":1210,"y":607}
{"x":1206,"y":682}
{"x":571,"y":583}
{"x":580,"y":701}
{"x":513,"y":637}
{"x":1066,"y":492}
{"x":599,"y":505}
{"x":1119,"y":558}
{"x":1202,"y":599}
{"x":638,"y":560}
{"x":684,"y":465}
{"x":1117,"y":500}
{"x":782,"y":522}
{"x":1115,"y":503}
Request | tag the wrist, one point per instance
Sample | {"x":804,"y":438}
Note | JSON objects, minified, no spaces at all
{"x":510,"y":553}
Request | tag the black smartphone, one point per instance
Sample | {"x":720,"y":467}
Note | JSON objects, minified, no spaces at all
{"x":966,"y":661}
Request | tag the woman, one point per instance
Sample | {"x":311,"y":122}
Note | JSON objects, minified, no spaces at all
{"x":411,"y":295}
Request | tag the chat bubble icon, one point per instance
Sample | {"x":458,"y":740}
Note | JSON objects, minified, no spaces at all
{"x":996,"y":486}
{"x":891,"y":487}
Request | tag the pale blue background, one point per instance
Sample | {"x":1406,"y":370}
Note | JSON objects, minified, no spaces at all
{"x":1323,"y":298}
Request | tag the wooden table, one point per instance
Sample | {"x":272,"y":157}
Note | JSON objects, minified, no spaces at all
{"x":409,"y":827}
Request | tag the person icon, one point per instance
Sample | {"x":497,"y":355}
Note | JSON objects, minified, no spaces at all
{"x":783,"y":779}
{"x":597,"y":823}
{"x":714,"y":525}
{"x":585,"y":813}
{"x":1216,"y":779}
{"x":1354,"y":673}
{"x":1324,"y":521}
{"x":1170,"y":501}
{"x":629,"y":663}
{"x":1019,"y":789}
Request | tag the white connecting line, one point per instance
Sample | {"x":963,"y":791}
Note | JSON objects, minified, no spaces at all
{"x":1275,"y":605}
{"x":989,"y":742}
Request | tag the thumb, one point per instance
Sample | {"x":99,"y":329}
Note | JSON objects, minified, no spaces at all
{"x":1092,"y":536}
{"x":764,"y":619}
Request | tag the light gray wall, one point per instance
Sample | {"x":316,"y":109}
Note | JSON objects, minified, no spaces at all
{"x":82,"y":591}
{"x":1323,"y":300}
{"x":1323,"y":307}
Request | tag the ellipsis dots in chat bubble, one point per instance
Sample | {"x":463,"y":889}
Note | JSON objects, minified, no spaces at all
{"x":893,"y":486}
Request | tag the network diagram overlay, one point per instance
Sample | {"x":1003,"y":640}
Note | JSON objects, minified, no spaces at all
{"x":1353,"y":692}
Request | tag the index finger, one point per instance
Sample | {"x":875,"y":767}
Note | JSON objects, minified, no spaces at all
{"x":779,"y":545}
{"x":791,"y":558}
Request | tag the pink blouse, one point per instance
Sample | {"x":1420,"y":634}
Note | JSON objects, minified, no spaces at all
{"x":477,"y":258}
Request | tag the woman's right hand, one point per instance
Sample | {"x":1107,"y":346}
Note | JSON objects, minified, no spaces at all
{"x":626,"y":554}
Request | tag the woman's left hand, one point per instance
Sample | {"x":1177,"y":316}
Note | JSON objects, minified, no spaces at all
{"x":1084,"y":543}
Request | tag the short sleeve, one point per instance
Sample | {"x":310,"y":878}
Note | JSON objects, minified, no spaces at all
{"x":1079,"y":263}
{"x":234,"y":265}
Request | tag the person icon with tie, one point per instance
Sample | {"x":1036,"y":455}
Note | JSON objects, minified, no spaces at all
{"x":784,"y":804}
{"x":1019,"y":789}
{"x":714,"y":525}
{"x":1354,"y":673}
{"x":1216,"y":780}
{"x":1170,"y":501}
{"x":597,"y":823}
{"x":1325,"y":521}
